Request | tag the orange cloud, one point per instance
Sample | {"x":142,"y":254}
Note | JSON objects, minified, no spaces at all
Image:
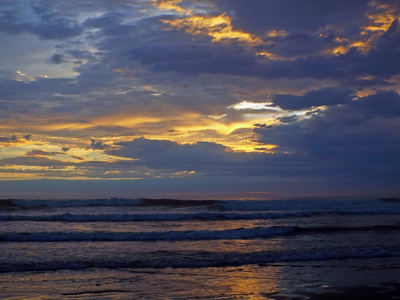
{"x":218,"y":27}
{"x":171,"y":5}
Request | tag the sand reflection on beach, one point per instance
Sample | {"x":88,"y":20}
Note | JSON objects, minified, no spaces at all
{"x":252,"y":282}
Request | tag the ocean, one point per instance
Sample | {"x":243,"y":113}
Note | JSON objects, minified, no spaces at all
{"x":175,"y":249}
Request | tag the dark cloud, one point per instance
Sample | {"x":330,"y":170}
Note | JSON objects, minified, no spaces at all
{"x":97,"y":145}
{"x":129,"y":63}
{"x":327,"y":96}
{"x":260,"y":16}
{"x":81,"y":54}
{"x":57,"y":29}
{"x":39,"y":20}
{"x":78,"y":157}
{"x":380,"y":105}
{"x":33,"y":161}
{"x":299,"y":44}
{"x":381,"y":61}
{"x":106,"y":20}
{"x":204,"y":158}
{"x":172,"y":50}
{"x":14,"y":139}
{"x":197,"y":58}
{"x":40,"y":152}
{"x":57,"y":59}
{"x":341,"y":145}
{"x":167,"y":154}
{"x":110,"y":24}
{"x":361,"y":134}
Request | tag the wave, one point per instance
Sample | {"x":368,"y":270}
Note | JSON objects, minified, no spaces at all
{"x":70,"y":203}
{"x":67,"y":217}
{"x":143,"y":202}
{"x":370,"y":205}
{"x":195,"y":259}
{"x":229,"y":234}
{"x":310,"y":205}
{"x":240,"y":233}
{"x":204,"y":215}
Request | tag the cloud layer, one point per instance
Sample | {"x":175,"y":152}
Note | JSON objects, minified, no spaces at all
{"x":281,"y":95}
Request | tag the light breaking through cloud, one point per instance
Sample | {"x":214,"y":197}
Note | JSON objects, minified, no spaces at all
{"x":278,"y":98}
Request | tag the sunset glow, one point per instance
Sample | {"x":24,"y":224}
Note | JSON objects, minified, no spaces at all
{"x":157,"y":92}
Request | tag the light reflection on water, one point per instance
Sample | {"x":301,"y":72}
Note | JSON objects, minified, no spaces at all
{"x":205,"y":283}
{"x":192,"y":258}
{"x":275,"y":281}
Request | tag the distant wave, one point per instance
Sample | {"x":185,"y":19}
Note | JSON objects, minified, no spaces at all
{"x":215,"y":205}
{"x":67,"y":217}
{"x":104,"y":202}
{"x":239,"y":233}
{"x":192,"y":259}
{"x":70,"y":203}
{"x":205,"y":215}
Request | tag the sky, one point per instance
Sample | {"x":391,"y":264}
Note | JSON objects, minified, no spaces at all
{"x":199,"y":99}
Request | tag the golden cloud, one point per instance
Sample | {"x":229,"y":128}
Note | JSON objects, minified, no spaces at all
{"x":218,"y":27}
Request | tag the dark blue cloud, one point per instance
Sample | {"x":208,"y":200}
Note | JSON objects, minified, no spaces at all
{"x":363,"y":128}
{"x":57,"y":59}
{"x":39,"y":20}
{"x":128,"y":60}
{"x":57,"y":29}
{"x":178,"y":52}
{"x":260,"y":16}
{"x":40,"y":152}
{"x":196,"y":58}
{"x":97,"y":145}
{"x":299,"y":44}
{"x":327,"y":96}
{"x":171,"y":155}
{"x":12,"y":139}
{"x":356,"y":141}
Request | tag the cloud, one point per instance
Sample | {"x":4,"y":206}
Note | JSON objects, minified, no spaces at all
{"x":107,"y":23}
{"x":97,"y":145}
{"x":193,"y":79}
{"x":57,"y":28}
{"x":309,"y":60}
{"x":327,"y":96}
{"x":14,"y":139}
{"x":78,"y":157}
{"x":57,"y":59}
{"x":17,"y":18}
{"x":261,"y":16}
{"x":167,"y":154}
{"x":41,"y":152}
{"x":317,"y":54}
{"x":34,"y":160}
{"x":198,"y":159}
{"x":197,"y":58}
{"x":359,"y":137}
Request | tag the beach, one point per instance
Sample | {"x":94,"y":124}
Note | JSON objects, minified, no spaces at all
{"x":141,"y":249}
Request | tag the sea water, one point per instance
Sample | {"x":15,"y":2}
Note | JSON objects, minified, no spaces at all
{"x":171,"y":249}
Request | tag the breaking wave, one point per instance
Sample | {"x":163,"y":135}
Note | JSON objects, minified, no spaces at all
{"x":165,"y":259}
{"x":238,"y":233}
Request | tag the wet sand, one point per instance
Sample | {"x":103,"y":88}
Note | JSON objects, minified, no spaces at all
{"x":389,"y":291}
